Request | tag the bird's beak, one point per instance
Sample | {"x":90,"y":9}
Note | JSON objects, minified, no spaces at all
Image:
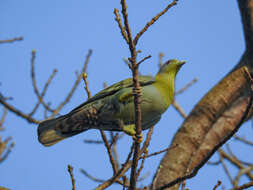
{"x":182,"y":63}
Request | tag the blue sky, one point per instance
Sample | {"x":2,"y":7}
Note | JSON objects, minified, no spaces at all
{"x":207,"y":34}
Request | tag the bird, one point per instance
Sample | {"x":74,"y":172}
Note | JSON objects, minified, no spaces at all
{"x":112,"y":109}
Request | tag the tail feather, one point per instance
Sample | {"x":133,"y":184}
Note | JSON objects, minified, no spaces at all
{"x":50,"y":133}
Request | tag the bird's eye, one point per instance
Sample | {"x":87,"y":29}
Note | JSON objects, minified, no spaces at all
{"x":168,"y":62}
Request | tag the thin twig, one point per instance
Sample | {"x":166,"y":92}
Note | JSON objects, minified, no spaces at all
{"x":127,"y":164}
{"x":75,"y":85}
{"x":179,"y":109}
{"x":120,"y":172}
{"x":244,"y":186}
{"x":11,"y":40}
{"x":144,"y":59}
{"x":142,"y":162}
{"x":183,"y":185}
{"x":8,"y":151}
{"x":225,"y":167}
{"x":34,"y":83}
{"x":43,"y":93}
{"x":217,"y":185}
{"x":91,"y":177}
{"x":241,"y":173}
{"x":114,"y":138}
{"x":109,"y":151}
{"x":235,"y":157}
{"x":70,"y":170}
{"x":101,"y":180}
{"x":88,"y":141}
{"x":235,"y":162}
{"x":124,"y":182}
{"x":3,"y":117}
{"x":180,"y":91}
{"x":153,"y":20}
{"x":122,"y":30}
{"x":243,"y":140}
{"x":18,"y":112}
{"x":156,"y":153}
{"x":113,"y":146}
{"x":127,"y":27}
{"x":86,"y":84}
{"x":161,"y":55}
{"x":214,"y":163}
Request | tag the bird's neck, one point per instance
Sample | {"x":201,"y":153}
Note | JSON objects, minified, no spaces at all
{"x":165,"y":83}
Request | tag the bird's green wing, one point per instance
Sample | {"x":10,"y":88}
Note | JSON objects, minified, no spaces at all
{"x":143,"y":80}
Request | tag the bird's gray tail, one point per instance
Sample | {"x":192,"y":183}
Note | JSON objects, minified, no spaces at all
{"x":52,"y":131}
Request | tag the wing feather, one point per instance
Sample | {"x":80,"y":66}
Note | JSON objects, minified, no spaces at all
{"x":143,"y":80}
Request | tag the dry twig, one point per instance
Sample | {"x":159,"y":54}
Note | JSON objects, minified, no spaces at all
{"x":11,"y":40}
{"x":71,"y":92}
{"x":217,"y":185}
{"x":244,"y":186}
{"x":153,"y":20}
{"x":70,"y":170}
{"x":44,"y":93}
{"x":243,"y":140}
{"x":180,"y":91}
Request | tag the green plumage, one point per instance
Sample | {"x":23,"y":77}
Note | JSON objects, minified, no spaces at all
{"x":113,"y":108}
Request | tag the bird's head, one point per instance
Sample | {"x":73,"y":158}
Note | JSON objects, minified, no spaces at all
{"x":171,"y":66}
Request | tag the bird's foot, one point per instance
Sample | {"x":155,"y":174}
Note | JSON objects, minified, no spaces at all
{"x":139,"y":139}
{"x":130,"y":130}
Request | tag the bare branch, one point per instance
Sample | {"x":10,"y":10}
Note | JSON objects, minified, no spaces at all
{"x":245,"y":186}
{"x":161,"y":55}
{"x":70,"y":170}
{"x":225,"y":168}
{"x":109,"y":151}
{"x":120,"y":172}
{"x":11,"y":40}
{"x":18,"y":112}
{"x":113,"y":146}
{"x":91,"y":177}
{"x":243,"y":140}
{"x":3,"y":117}
{"x":241,"y":173}
{"x":34,"y":83}
{"x":3,"y":148}
{"x":127,"y":163}
{"x":157,"y":153}
{"x":44,"y":93}
{"x":93,"y":141}
{"x":153,"y":20}
{"x":217,"y":185}
{"x":186,"y":86}
{"x":178,"y":108}
{"x":122,"y":30}
{"x":142,"y":162}
{"x":144,"y":59}
{"x":86,"y":85}
{"x":69,"y":95}
{"x":235,"y":162}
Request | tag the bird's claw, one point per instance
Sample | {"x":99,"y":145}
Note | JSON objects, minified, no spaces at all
{"x":138,"y":138}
